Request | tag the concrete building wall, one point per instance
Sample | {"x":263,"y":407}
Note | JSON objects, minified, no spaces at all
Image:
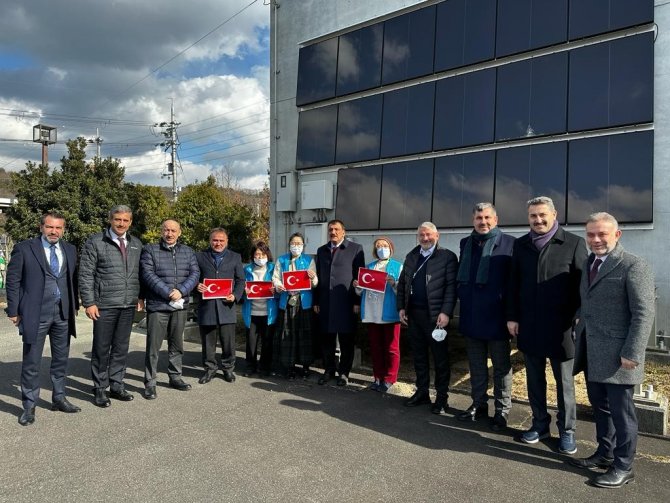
{"x":299,"y":22}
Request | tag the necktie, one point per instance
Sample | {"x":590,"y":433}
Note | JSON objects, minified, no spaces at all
{"x":594,"y":270}
{"x":124,"y":252}
{"x":53,"y":261}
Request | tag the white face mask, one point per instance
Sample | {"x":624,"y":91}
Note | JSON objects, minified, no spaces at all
{"x":260,"y":262}
{"x":296,"y":250}
{"x":383,"y":253}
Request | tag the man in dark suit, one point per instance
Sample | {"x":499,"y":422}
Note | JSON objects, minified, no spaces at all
{"x":109,"y":285}
{"x":217,"y":317}
{"x":615,"y":320}
{"x":426,"y":300}
{"x":335,"y":300}
{"x":541,"y":307}
{"x":485,"y":262}
{"x":42,"y":299}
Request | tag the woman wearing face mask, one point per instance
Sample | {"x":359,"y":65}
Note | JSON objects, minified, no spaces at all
{"x":379,"y":311}
{"x":259,"y":314}
{"x":293,"y":343}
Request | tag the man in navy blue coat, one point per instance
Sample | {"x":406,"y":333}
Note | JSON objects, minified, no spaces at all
{"x":169,"y":272}
{"x":483,"y":274}
{"x":217,"y":317}
{"x":42,"y":299}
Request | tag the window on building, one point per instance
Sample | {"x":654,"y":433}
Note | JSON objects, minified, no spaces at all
{"x":359,"y":129}
{"x":465,"y":33}
{"x":409,"y":45}
{"x":531,"y":97}
{"x":359,"y":61}
{"x":591,"y":17}
{"x":407,"y":125}
{"x":316,"y":137}
{"x":611,"y":84}
{"x":526,"y":172}
{"x":612,"y":174}
{"x":407,"y":188}
{"x":524,"y":25}
{"x":464,"y":110}
{"x":358,"y":196}
{"x":317,"y":68}
{"x":461,"y":181}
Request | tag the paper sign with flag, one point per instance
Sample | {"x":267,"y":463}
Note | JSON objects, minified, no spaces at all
{"x":217,"y":288}
{"x":369,"y":279}
{"x":259,"y":290}
{"x":296,"y":280}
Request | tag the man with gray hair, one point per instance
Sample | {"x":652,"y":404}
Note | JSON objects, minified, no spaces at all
{"x":541,"y":309}
{"x":615,"y":320}
{"x":109,"y":285}
{"x":425,"y":301}
{"x":483,"y":274}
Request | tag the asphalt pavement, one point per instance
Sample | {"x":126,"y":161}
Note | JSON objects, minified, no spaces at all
{"x":270,"y":439}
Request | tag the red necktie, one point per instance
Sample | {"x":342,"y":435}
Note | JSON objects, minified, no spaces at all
{"x":124,"y":252}
{"x":594,"y":270}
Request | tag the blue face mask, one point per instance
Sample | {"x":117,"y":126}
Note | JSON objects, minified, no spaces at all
{"x":383,"y":253}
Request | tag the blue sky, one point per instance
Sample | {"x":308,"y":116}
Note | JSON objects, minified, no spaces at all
{"x":91,"y":66}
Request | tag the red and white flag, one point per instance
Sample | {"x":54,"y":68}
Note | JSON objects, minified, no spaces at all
{"x":217,"y":288}
{"x":296,"y":280}
{"x":259,"y":290}
{"x":370,"y":279}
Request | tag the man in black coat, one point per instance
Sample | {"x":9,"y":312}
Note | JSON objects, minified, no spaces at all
{"x":425,"y":301}
{"x":335,"y":300}
{"x":541,"y":307}
{"x":484,"y":266}
{"x":42,"y":299}
{"x":109,"y":285}
{"x":217,"y":317}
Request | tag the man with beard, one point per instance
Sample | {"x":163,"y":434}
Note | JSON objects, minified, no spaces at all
{"x":425,"y":301}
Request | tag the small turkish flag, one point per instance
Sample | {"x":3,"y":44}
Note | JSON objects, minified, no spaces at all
{"x":369,"y":279}
{"x":217,"y":288}
{"x":296,"y":280}
{"x":259,"y":290}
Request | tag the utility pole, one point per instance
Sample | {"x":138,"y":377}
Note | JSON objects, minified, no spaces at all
{"x":97,"y":140}
{"x":171,"y":143}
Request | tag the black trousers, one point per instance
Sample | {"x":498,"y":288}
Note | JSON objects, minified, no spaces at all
{"x":478,"y":352}
{"x":56,"y":327}
{"x":420,"y":329}
{"x":162,"y":325}
{"x":328,"y":347}
{"x":111,"y":338}
{"x":259,"y":332}
{"x":225,"y":334}
{"x":616,"y":421}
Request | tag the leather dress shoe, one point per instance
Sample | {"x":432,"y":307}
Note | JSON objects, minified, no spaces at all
{"x":440,"y":406}
{"x":121,"y":394}
{"x":593,"y":461}
{"x":498,"y":421}
{"x":418,"y":398}
{"x":613,"y":478}
{"x":342,"y":380}
{"x":473,"y":413}
{"x":150,"y":393}
{"x":228,"y":376}
{"x":101,"y":399}
{"x":28,"y":417}
{"x":180,"y":385}
{"x":327,"y":376}
{"x":207,"y":376}
{"x":65,"y":406}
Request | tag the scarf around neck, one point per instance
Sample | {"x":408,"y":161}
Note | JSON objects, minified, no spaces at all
{"x":475,"y":239}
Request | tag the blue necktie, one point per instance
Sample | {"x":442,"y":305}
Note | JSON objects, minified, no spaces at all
{"x":55,"y":269}
{"x":53,"y":261}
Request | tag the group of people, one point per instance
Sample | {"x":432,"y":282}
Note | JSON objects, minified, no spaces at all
{"x":579,"y":311}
